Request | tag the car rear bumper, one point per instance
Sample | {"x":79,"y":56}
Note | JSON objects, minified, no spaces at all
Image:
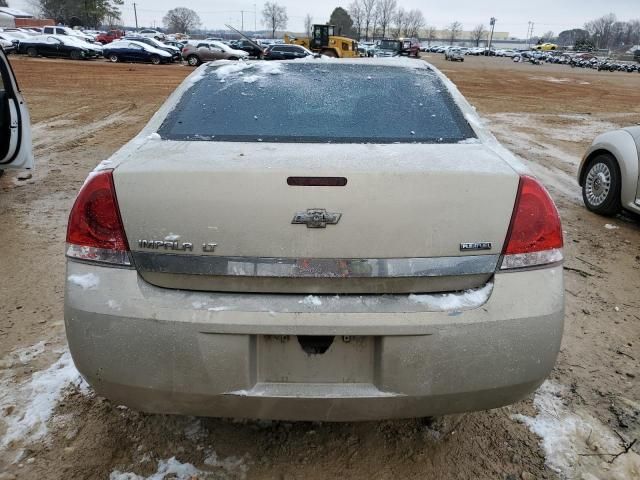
{"x":231,"y":355}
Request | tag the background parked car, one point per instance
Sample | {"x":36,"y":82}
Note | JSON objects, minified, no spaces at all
{"x":67,"y":31}
{"x":410,"y":47}
{"x":110,"y":36}
{"x":7,"y":45}
{"x":252,"y":48}
{"x":286,"y":52}
{"x":170,"y":49}
{"x":147,"y":32}
{"x":454,"y":55}
{"x":366,"y":49}
{"x":11,"y":39}
{"x":204,"y":51}
{"x":176,"y":43}
{"x":58,"y":46}
{"x":608,"y":173}
{"x":388,"y":48}
{"x":134,"y":51}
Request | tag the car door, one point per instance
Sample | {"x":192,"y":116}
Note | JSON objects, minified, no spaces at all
{"x":136,"y":53}
{"x":291,"y":53}
{"x":48,"y":48}
{"x":15,"y":126}
{"x":205,"y":52}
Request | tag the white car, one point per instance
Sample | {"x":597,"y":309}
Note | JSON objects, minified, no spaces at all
{"x":148,"y":32}
{"x":16,"y":34}
{"x":454,"y":55}
{"x":49,"y":30}
{"x":249,"y":255}
{"x":15,"y":126}
{"x":609,"y":172}
{"x":7,"y":45}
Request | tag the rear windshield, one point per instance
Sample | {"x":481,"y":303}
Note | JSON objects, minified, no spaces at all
{"x":389,"y":44}
{"x":316,"y":102}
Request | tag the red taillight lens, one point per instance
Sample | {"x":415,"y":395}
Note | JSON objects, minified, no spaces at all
{"x":535,"y":234}
{"x":95,"y":231}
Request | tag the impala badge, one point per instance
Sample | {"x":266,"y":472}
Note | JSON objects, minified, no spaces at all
{"x":476,"y":246}
{"x":316,"y":218}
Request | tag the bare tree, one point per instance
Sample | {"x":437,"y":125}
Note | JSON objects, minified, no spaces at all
{"x":308,"y":24}
{"x":368,"y":11}
{"x":385,"y":10}
{"x":274,"y":17}
{"x":548,"y":36}
{"x":430,"y":33}
{"x":3,"y":3}
{"x":415,"y":23}
{"x":478,"y":33}
{"x":375,"y":18}
{"x":399,"y":20}
{"x":454,"y":30}
{"x":181,"y":19}
{"x":357,"y":15}
{"x":600,"y":30}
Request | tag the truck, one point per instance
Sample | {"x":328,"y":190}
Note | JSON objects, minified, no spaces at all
{"x":110,"y":36}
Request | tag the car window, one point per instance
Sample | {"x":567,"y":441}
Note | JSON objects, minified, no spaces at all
{"x":344,"y":105}
{"x":388,"y":44}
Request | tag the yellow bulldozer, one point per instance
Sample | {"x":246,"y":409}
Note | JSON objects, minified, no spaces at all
{"x":324,"y":42}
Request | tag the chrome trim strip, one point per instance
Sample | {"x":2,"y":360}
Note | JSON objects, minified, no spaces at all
{"x":314,"y":267}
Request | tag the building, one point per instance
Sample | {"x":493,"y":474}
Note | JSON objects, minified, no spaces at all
{"x":12,"y":18}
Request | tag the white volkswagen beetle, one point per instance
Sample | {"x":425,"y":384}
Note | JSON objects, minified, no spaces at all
{"x":608,"y":173}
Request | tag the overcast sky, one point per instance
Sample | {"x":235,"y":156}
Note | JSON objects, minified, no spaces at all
{"x":512,"y":15}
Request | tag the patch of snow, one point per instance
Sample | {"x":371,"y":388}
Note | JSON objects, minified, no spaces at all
{"x":454,"y":301}
{"x":176,"y":470}
{"x":25,"y":355}
{"x":471,"y":140}
{"x":113,"y":304}
{"x":577,"y":445}
{"x":237,"y":71}
{"x":30,"y":404}
{"x":154,"y":136}
{"x":608,"y":226}
{"x":236,"y":466}
{"x":217,"y":309}
{"x":87,"y":281}
{"x":167,"y":469}
{"x":311,"y":301}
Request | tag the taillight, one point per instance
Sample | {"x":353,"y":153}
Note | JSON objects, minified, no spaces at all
{"x":535,"y":233}
{"x":95,"y":231}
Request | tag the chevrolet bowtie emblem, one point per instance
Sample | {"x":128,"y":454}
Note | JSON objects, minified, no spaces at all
{"x":316,"y":218}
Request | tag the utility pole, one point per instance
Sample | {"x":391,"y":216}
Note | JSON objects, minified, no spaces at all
{"x":492,"y":22}
{"x":529,"y":34}
{"x":242,"y":20}
{"x":255,"y":19}
{"x":135,"y":14}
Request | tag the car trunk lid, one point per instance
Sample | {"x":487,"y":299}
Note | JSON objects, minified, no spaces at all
{"x":226,"y":216}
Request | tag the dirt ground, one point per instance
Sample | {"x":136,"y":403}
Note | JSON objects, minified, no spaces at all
{"x":84,"y":111}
